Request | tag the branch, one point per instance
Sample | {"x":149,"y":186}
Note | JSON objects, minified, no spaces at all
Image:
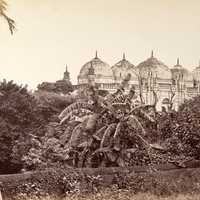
{"x":11,"y":22}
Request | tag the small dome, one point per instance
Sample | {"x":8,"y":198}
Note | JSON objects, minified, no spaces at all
{"x":122,"y":68}
{"x":100,"y":68}
{"x":178,"y":71}
{"x":158,"y":68}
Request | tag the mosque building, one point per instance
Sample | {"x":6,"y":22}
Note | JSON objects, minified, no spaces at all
{"x":150,"y":77}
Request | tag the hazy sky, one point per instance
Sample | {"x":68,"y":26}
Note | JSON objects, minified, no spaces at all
{"x":53,"y":33}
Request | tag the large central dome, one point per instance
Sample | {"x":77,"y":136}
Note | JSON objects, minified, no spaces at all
{"x":101,"y":69}
{"x":158,"y":68}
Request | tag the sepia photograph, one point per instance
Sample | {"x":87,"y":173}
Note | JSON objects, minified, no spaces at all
{"x":99,"y":100}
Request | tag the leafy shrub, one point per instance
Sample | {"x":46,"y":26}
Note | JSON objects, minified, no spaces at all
{"x":180,"y":131}
{"x":23,"y":119}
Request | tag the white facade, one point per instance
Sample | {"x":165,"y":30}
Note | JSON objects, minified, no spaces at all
{"x":150,"y":76}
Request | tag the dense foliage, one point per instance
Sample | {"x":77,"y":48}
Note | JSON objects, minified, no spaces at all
{"x":113,"y":131}
{"x":50,"y":104}
{"x":180,"y":130}
{"x":17,"y":116}
{"x":23,"y":117}
{"x":92,"y":130}
{"x":105,"y":131}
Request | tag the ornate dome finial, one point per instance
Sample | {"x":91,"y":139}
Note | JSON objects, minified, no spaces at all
{"x":96,"y":54}
{"x":178,"y":63}
{"x":124,"y":56}
{"x":152,"y":54}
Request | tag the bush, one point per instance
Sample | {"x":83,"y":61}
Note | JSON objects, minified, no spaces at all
{"x":23,"y":118}
{"x":180,"y":131}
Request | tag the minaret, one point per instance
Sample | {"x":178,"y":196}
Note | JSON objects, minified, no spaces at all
{"x":91,"y":75}
{"x":66,"y":75}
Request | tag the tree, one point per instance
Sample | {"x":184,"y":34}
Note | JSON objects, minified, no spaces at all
{"x":3,"y":9}
{"x":20,"y":117}
{"x":24,"y":119}
{"x":51,"y":104}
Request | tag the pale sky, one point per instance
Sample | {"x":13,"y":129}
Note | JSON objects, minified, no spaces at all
{"x":53,"y":33}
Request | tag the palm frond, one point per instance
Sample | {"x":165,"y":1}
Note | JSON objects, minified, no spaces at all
{"x":133,"y":122}
{"x":74,"y":114}
{"x":11,"y":22}
{"x":76,"y":133}
{"x":117,"y":131}
{"x":116,"y":137}
{"x":99,"y":134}
{"x":111,"y":98}
{"x":119,"y":99}
{"x":110,"y":130}
{"x":75,"y":106}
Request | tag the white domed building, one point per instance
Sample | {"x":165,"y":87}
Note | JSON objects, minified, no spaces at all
{"x":149,"y":77}
{"x":155,"y":77}
{"x":102,"y":72}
